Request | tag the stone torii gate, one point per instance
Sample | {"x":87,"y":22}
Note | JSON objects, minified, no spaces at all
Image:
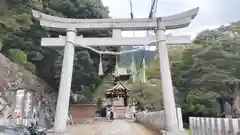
{"x":70,"y":41}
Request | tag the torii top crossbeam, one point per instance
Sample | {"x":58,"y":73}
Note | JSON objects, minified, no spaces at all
{"x":61,"y":24}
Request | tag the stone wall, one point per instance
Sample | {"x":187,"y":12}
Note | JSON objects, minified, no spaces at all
{"x":14,"y":77}
{"x":156,"y":120}
{"x":82,"y":113}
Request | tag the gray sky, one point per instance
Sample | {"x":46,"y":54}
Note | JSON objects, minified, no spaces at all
{"x":212,"y":14}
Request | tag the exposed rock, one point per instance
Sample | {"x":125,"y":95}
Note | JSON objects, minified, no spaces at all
{"x":14,"y":77}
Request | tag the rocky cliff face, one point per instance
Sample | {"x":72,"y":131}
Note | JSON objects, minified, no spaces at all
{"x":14,"y":77}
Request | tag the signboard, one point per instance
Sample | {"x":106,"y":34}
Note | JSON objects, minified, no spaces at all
{"x":19,"y":103}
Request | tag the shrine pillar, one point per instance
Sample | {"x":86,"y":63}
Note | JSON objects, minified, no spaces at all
{"x":167,"y":88}
{"x":61,"y":116}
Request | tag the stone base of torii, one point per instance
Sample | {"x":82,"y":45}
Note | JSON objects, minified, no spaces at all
{"x":71,"y":26}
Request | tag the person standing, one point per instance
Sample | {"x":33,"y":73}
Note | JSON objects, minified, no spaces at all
{"x":111,"y":115}
{"x":108,"y":114}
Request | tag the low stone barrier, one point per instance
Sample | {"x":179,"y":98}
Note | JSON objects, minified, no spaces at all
{"x":214,"y":126}
{"x":156,"y":120}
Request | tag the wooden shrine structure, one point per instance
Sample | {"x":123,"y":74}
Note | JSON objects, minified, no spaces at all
{"x":117,"y":98}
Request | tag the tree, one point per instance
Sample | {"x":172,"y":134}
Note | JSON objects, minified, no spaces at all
{"x":147,"y":95}
{"x":202,"y":72}
{"x":214,"y":65}
{"x":19,"y":32}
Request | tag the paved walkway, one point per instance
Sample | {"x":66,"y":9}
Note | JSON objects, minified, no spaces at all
{"x":116,"y":127}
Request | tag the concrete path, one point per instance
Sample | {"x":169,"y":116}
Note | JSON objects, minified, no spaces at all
{"x":116,"y":127}
{"x":141,"y":130}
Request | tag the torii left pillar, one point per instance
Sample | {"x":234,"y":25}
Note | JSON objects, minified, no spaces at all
{"x":61,"y":115}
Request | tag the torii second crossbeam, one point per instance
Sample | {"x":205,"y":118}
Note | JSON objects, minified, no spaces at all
{"x":114,"y":41}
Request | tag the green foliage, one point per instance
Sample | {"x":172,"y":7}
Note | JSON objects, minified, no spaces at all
{"x":202,"y":71}
{"x":18,"y":31}
{"x":153,"y":72}
{"x":198,"y":107}
{"x":100,"y":91}
{"x":18,"y":56}
{"x":148,"y":95}
{"x":31,"y":67}
{"x":188,"y":131}
{"x":207,"y":69}
{"x":1,"y":44}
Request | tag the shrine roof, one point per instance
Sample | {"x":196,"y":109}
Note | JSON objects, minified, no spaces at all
{"x":119,"y":85}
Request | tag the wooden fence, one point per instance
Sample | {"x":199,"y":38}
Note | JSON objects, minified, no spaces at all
{"x":156,"y":120}
{"x":214,"y":126}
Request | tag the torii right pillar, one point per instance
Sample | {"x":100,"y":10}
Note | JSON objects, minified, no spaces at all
{"x":171,"y":121}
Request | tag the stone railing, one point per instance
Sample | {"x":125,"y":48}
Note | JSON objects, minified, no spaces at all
{"x":156,"y":120}
{"x":214,"y":126}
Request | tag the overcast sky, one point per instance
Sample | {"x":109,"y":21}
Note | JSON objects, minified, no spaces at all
{"x":213,"y":13}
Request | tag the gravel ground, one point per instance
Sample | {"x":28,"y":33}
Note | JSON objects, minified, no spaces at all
{"x":116,"y":127}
